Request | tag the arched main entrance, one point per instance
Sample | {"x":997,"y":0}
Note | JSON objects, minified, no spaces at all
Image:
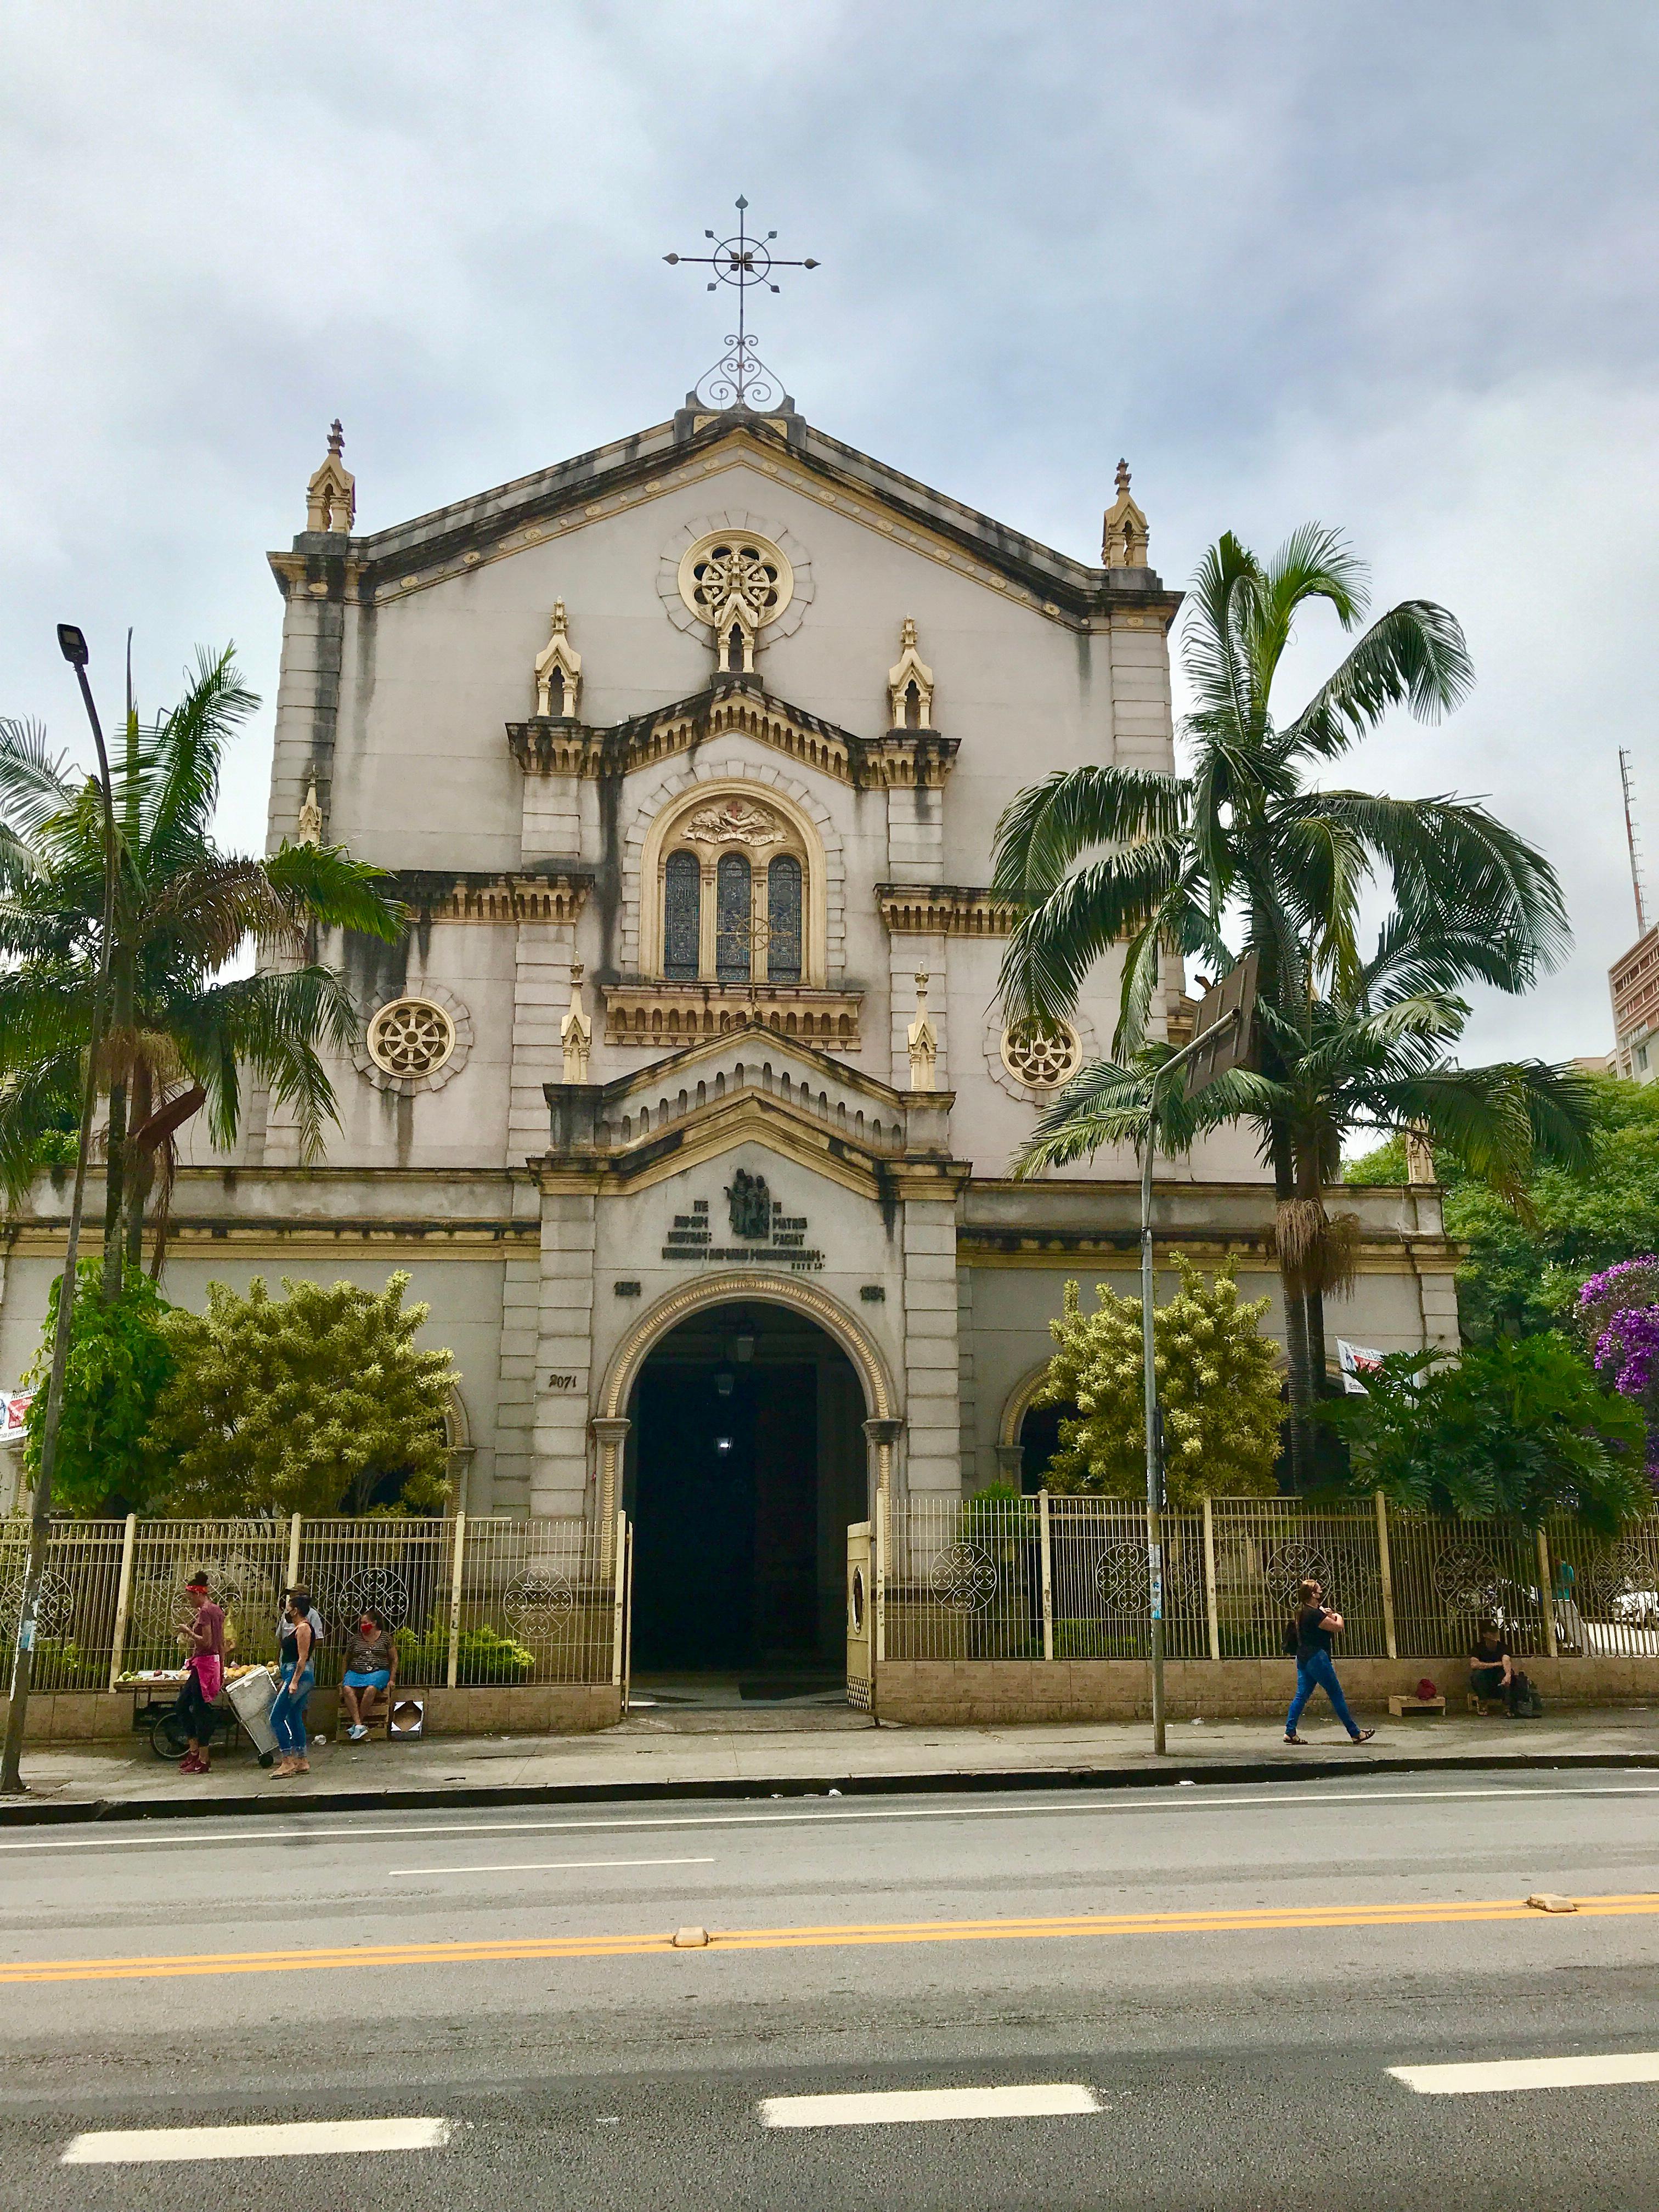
{"x":745,"y":1461}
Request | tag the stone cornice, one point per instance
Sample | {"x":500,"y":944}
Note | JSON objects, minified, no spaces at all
{"x":735,"y":705}
{"x":944,"y":910}
{"x":547,"y":895}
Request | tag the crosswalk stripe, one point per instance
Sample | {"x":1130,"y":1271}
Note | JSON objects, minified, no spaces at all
{"x":883,"y":2107}
{"x":284,"y":2139}
{"x":1476,"y":2078}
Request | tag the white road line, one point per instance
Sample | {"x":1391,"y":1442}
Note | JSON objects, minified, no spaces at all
{"x":1480,"y":2079}
{"x":882,"y":2107}
{"x":288,"y":2139}
{"x":1155,"y":1799}
{"x":550,"y":1866}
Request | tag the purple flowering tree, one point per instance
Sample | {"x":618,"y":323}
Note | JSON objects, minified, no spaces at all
{"x":1618,"y":1319}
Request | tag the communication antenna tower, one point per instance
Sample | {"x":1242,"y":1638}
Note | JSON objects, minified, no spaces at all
{"x":1636,"y":882}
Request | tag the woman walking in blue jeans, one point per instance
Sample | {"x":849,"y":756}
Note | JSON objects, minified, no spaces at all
{"x":296,"y":1652}
{"x":1316,"y":1625}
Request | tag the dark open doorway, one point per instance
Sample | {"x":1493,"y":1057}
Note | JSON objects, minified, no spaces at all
{"x":745,"y":1464}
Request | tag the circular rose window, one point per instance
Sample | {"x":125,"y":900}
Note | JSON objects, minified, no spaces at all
{"x":736,"y":571}
{"x":1041,"y":1054}
{"x":410,"y":1037}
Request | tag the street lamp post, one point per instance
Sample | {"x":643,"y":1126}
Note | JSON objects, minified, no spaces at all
{"x":1221,"y":1040}
{"x":73,"y":645}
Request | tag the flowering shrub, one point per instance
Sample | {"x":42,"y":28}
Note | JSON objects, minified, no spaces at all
{"x":1218,"y":1383}
{"x":1618,"y":1317}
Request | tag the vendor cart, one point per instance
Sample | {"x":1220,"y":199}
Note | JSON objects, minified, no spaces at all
{"x":237,"y":1711}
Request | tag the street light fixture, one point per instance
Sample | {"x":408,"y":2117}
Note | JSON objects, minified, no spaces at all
{"x":72,"y":644}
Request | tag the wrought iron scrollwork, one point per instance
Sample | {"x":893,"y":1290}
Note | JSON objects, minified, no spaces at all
{"x":964,"y":1577}
{"x":538,"y":1606}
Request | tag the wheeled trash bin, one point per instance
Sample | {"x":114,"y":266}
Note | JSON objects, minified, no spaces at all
{"x":251,"y":1697}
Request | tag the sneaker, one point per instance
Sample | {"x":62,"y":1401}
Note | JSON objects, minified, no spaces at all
{"x":357,"y":1732}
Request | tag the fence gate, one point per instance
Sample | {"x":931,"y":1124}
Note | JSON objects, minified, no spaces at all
{"x":860,"y":1625}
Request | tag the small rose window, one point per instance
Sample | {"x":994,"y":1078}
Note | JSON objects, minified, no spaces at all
{"x":410,"y":1037}
{"x":1041,"y":1054}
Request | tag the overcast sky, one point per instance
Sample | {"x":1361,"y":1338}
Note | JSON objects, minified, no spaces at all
{"x":1389,"y":265}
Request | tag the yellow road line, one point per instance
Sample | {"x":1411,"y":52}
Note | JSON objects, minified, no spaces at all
{"x":1214,"y":1921}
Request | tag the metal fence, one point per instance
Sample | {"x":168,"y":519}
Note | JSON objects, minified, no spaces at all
{"x":472,"y":1602}
{"x":1052,"y":1577}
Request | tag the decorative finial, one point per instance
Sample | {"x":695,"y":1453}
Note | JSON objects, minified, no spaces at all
{"x":1419,"y":1155}
{"x":1123,"y":540}
{"x":310,"y":831}
{"x":910,"y":685}
{"x":332,"y":494}
{"x":575,"y":1031}
{"x":558,"y":670}
{"x":739,"y":378}
{"x":923,"y":1039}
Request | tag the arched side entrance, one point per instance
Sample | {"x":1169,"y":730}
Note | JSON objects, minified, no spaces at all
{"x":742,"y":1443}
{"x":1029,"y":1435}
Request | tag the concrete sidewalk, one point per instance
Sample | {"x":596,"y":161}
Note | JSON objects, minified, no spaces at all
{"x":797,"y":1751}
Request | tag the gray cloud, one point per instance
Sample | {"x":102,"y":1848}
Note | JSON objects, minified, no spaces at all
{"x":1387,"y":266}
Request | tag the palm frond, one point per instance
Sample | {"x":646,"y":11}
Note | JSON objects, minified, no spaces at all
{"x":184,"y":756}
{"x":1415,"y":655}
{"x":322,"y":884}
{"x":1053,"y":945}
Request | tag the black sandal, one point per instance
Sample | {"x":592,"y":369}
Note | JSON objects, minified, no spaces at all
{"x":1363,"y":1736}
{"x":1296,"y":1739}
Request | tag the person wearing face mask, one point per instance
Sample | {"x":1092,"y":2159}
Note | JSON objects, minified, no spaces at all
{"x":296,"y":1661}
{"x":371,"y":1671}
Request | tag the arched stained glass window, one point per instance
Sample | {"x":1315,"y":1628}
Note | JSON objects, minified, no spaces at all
{"x":681,"y":917}
{"x":732,"y":916}
{"x":783,"y":919}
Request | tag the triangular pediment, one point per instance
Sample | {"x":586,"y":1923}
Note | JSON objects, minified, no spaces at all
{"x":739,"y":706}
{"x":751,"y":1086}
{"x":688,"y":451}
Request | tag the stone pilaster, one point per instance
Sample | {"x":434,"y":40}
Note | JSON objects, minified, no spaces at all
{"x":931,"y":1411}
{"x":1143,"y":728}
{"x":967,"y":1381}
{"x":541,"y":999}
{"x":515,"y":1393}
{"x":564,"y":1349}
{"x":308,"y":698}
{"x":916,"y":834}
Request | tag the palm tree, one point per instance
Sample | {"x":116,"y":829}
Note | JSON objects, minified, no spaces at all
{"x":180,"y":1034}
{"x":1247,"y":845}
{"x":1375,"y":1054}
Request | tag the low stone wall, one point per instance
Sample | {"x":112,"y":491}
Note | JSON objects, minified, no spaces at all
{"x":531,"y":1709}
{"x":938,"y":1693}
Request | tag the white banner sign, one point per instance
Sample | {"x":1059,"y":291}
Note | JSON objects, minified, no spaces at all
{"x":1355,"y":1360}
{"x":14,"y":1407}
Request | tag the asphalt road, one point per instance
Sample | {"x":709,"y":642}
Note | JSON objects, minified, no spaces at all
{"x":503,"y":1979}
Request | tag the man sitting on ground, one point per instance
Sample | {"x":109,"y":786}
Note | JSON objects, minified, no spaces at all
{"x":1493,"y":1673}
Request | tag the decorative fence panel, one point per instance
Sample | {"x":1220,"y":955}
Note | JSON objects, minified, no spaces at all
{"x":546,"y":1590}
{"x":472,"y":1602}
{"x":75,"y":1620}
{"x":246,"y":1565}
{"x":1067,"y":1579}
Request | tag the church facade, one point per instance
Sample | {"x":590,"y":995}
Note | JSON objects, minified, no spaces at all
{"x":685,"y":1100}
